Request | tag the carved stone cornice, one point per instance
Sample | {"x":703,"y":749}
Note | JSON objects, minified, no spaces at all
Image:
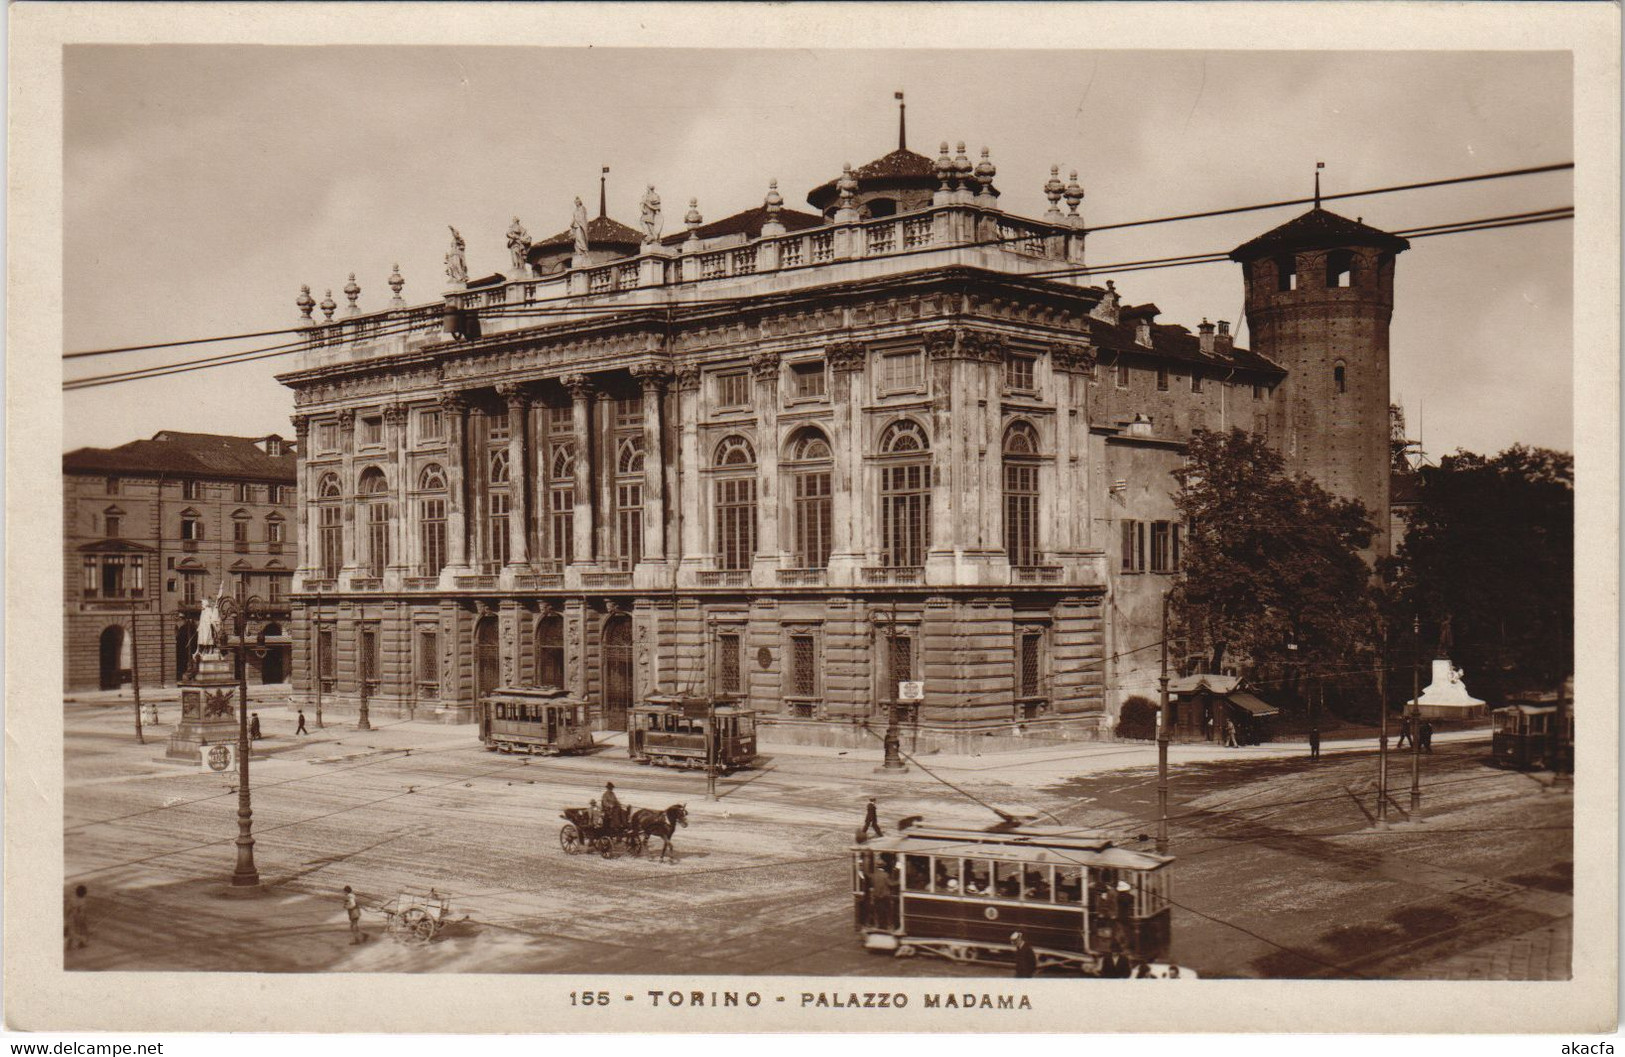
{"x":1067,"y":356}
{"x":988,"y":348}
{"x":517,"y":395}
{"x":581,"y":386}
{"x":765,"y":366}
{"x":688,"y":377}
{"x":651,"y":376}
{"x":346,"y":419}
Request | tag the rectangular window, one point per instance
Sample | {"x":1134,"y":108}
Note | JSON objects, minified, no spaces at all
{"x":1031,"y":673}
{"x":245,"y":492}
{"x":629,"y":522}
{"x":900,"y":653}
{"x":432,"y":527}
{"x":1018,"y":373}
{"x":497,"y":427}
{"x":733,"y":390}
{"x":1196,"y":381}
{"x":377,"y":538}
{"x":429,"y":657}
{"x":808,"y":379}
{"x":1162,"y":379}
{"x":1133,"y":546}
{"x":736,"y":522}
{"x":191,"y":489}
{"x":330,"y":534}
{"x":1021,"y":513}
{"x":113,"y":523}
{"x":275,"y":588}
{"x":1122,"y":376}
{"x":1161,"y":547}
{"x":273,"y":532}
{"x":728,"y":665}
{"x":629,"y":412}
{"x":562,"y":522}
{"x":431,"y":426}
{"x":191,"y":528}
{"x":905,"y":514}
{"x":1258,"y":392}
{"x":113,"y":485}
{"x":276,"y":494}
{"x":327,"y":436}
{"x":191,"y":589}
{"x":902,"y":372}
{"x":497,"y":545}
{"x":239,"y":587}
{"x":91,"y":570}
{"x":815,"y":520}
{"x":239,"y":530}
{"x":372,"y":431}
{"x":370,"y":666}
{"x":561,"y":419}
{"x":803,"y":666}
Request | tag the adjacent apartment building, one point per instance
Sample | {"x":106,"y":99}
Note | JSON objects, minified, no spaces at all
{"x":154,"y":525}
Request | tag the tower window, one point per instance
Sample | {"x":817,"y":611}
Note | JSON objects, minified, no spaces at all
{"x":1162,"y":379}
{"x":1340,"y":378}
{"x":1286,"y":273}
{"x":1339,"y":268}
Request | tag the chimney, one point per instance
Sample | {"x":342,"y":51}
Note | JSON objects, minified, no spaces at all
{"x":1225,"y":342}
{"x":1205,"y":329}
{"x":1142,"y":332}
{"x":1141,"y":425}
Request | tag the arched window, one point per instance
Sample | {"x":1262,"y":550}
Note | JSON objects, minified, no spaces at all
{"x":329,"y":525}
{"x":1021,"y":494}
{"x":735,"y":503}
{"x":905,"y":495}
{"x":431,"y":520}
{"x":629,"y":499}
{"x":372,"y":490}
{"x":550,"y":651}
{"x":328,"y":487}
{"x":499,"y":466}
{"x":809,"y":465}
{"x":1339,"y":268}
{"x":1340,"y":376}
{"x":561,"y":498}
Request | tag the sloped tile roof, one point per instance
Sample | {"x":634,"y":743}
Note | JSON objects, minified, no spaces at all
{"x":1174,"y":343}
{"x":600,"y":230}
{"x":210,"y":455}
{"x":899,"y":168}
{"x":1317,"y":229}
{"x":748,"y":223}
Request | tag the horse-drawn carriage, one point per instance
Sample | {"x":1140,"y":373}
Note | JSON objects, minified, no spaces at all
{"x":619,"y":829}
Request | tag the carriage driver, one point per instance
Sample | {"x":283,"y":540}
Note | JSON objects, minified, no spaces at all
{"x":611,"y":804}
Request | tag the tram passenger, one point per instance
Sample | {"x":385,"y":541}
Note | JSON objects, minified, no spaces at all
{"x":1125,"y":902}
{"x":977,"y":877}
{"x":1037,"y":885}
{"x":1007,"y":880}
{"x":916,"y":878}
{"x":880,"y":897}
{"x":947,"y":870}
{"x":1068,"y":884}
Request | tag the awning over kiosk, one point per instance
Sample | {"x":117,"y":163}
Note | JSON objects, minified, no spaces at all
{"x":1252,"y":705}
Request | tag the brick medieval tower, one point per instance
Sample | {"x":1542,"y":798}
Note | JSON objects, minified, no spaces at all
{"x":1320,"y":293}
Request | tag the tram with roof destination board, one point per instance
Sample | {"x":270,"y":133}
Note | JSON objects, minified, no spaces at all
{"x":689,"y":732}
{"x":533,"y":720}
{"x":1533,"y":735}
{"x":962,"y":893}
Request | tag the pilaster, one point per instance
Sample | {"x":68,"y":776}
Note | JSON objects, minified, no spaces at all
{"x":519,"y":401}
{"x":455,"y":409}
{"x":581,"y":394}
{"x":395,"y":422}
{"x":764,"y":368}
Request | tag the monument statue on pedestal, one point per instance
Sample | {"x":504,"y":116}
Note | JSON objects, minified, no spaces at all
{"x":1446,"y":696}
{"x":210,"y":631}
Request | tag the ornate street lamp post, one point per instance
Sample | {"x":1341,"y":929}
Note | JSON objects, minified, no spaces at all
{"x":893,"y":741}
{"x":245,"y":875}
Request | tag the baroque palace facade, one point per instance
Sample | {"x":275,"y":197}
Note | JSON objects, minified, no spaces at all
{"x":795,"y":456}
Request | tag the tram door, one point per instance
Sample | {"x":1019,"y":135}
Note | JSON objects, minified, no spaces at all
{"x":616,"y":671}
{"x":487,"y":668}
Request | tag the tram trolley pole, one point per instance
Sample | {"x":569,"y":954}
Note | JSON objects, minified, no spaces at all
{"x":1382,"y":725}
{"x":1162,"y":738}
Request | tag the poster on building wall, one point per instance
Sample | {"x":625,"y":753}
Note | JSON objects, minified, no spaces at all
{"x":603,"y":426}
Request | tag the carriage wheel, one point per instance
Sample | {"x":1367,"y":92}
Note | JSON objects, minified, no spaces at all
{"x":425,"y":929}
{"x":570,"y":838}
{"x":413,"y":920}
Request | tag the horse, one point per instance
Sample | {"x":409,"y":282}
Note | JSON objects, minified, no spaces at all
{"x":662,"y":824}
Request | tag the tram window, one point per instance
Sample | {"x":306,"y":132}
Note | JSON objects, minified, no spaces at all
{"x":917,"y":873}
{"x":1007,"y":879}
{"x":946,"y":875}
{"x":1069,"y":884}
{"x":978,"y":877}
{"x":747,"y":726}
{"x":1036,"y":885}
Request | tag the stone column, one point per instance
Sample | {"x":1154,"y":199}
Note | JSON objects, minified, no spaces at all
{"x":653,"y":377}
{"x":346,"y":419}
{"x":395,"y":421}
{"x":941,"y":348}
{"x":455,"y":408}
{"x":846,"y":362}
{"x":581,"y":389}
{"x":518,"y":491}
{"x":305,"y":532}
{"x":765,"y":367}
{"x":690,"y":480}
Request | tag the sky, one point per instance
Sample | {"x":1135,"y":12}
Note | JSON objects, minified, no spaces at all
{"x":204,"y":184}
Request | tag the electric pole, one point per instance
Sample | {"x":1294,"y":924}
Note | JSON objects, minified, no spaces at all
{"x":1162,"y":738}
{"x":1382,"y":725}
{"x":1414,"y":713}
{"x":135,"y":673}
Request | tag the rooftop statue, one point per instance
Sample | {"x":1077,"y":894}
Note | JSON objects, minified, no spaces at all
{"x":652,"y":219}
{"x":456,"y":266}
{"x":518,"y":244}
{"x":578,"y":228}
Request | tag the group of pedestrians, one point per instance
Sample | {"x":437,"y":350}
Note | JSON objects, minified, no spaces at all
{"x":254,"y":733}
{"x":1421,"y":738}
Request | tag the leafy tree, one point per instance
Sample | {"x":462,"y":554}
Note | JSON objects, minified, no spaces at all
{"x":1269,"y":559}
{"x":1490,"y":544}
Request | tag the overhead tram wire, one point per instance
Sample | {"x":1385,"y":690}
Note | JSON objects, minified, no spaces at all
{"x":1499,"y":175}
{"x":695,"y":308}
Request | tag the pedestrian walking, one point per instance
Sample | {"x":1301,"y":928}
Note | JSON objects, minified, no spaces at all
{"x":1427,"y":736}
{"x":301,"y":728}
{"x":254,"y":726}
{"x":352,"y":910}
{"x":1314,"y":743}
{"x":76,"y":921}
{"x":1404,"y":732}
{"x":871,"y":820}
{"x":1026,"y":957}
{"x":880,"y":896}
{"x":1229,"y":734}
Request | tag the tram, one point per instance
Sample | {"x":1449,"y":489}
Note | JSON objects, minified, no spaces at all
{"x":534,"y":720}
{"x":1532,"y":735}
{"x":689,"y":732}
{"x":961,"y":893}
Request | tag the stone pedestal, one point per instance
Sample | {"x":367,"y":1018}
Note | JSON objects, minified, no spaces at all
{"x":208,"y":708}
{"x":1446,"y":697}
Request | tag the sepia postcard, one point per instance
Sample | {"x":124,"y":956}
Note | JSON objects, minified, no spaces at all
{"x":818,"y":518}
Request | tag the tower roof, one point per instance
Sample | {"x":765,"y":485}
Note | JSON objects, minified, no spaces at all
{"x":1315,"y":230}
{"x":900,"y":168}
{"x":600,"y":231}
